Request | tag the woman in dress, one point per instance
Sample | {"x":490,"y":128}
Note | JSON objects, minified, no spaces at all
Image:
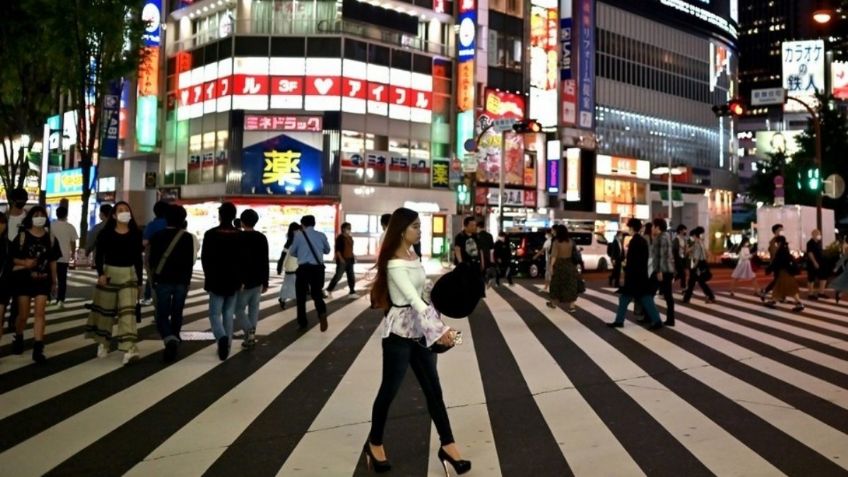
{"x":840,"y":283}
{"x":410,"y":328}
{"x":288,"y":265}
{"x":744,"y":271}
{"x":783,"y":266}
{"x":34,"y":254}
{"x":118,"y":260}
{"x":564,"y":278}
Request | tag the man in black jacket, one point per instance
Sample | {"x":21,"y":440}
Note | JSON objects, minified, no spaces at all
{"x":503,"y":258}
{"x":171,"y":268}
{"x":220,"y":258}
{"x":637,"y":286}
{"x":254,"y":268}
{"x":615,"y":250}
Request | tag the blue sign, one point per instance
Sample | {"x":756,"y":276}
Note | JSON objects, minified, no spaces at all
{"x":552,"y":176}
{"x":281,"y":165}
{"x":585,"y":16}
{"x":68,"y":183}
{"x":467,"y":35}
{"x":151,"y":15}
{"x":565,"y":38}
{"x":111,"y":120}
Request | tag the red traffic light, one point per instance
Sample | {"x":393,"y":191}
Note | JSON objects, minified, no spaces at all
{"x":736,"y":108}
{"x":527,"y":126}
{"x":733,"y":107}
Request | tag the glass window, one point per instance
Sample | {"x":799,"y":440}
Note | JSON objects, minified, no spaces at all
{"x":399,"y":158}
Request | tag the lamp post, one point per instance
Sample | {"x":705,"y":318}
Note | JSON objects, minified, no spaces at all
{"x":818,"y":157}
{"x":670,"y":171}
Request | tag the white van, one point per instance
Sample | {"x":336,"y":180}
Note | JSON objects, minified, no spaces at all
{"x":593,"y":247}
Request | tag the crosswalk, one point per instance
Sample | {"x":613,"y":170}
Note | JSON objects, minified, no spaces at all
{"x":735,"y":388}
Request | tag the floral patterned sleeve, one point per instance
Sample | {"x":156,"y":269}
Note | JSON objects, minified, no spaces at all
{"x":431,"y":325}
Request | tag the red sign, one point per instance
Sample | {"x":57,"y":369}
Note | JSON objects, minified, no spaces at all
{"x":355,"y":88}
{"x":266,"y":122}
{"x":183,"y":59}
{"x":569,"y":103}
{"x":466,"y":6}
{"x":250,"y":85}
{"x":400,"y":96}
{"x":378,"y":92}
{"x":323,"y":86}
{"x":225,"y":86}
{"x":287,"y":85}
{"x":439,"y":6}
{"x":503,"y":105}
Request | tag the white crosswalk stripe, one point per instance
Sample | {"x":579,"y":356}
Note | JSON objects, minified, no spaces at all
{"x":735,"y":388}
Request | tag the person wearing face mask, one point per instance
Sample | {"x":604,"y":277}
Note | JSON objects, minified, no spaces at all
{"x":817,"y":274}
{"x":119,"y":263}
{"x":34,"y":254}
{"x":776,"y":230}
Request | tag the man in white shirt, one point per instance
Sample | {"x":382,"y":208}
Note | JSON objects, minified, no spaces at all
{"x":17,"y":201}
{"x":66,"y":235}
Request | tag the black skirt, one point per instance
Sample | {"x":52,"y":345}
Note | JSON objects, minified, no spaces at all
{"x":27,"y":283}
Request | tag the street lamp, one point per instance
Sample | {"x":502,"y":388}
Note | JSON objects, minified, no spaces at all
{"x":670,"y":171}
{"x":823,"y":12}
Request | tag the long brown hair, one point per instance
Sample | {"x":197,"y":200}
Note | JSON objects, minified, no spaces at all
{"x":401,"y":219}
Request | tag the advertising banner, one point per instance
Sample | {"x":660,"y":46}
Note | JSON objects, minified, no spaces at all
{"x":585,"y":15}
{"x":567,"y":64}
{"x":147,"y":114}
{"x":440,"y":174}
{"x":544,"y":65}
{"x":68,"y":183}
{"x":839,"y":79}
{"x":552,"y":176}
{"x":281,"y":165}
{"x":498,"y":105}
{"x":111,"y":120}
{"x":803,"y":72}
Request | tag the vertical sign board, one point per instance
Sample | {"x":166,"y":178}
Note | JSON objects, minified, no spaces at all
{"x":803,"y":72}
{"x":465,"y":84}
{"x":147,"y":103}
{"x":566,"y":67}
{"x":111,"y":120}
{"x":585,"y":20}
{"x":839,"y":80}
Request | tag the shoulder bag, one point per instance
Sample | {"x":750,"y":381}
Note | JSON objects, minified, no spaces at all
{"x":314,"y":255}
{"x":161,"y":265}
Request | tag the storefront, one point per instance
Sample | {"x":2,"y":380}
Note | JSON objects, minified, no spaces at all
{"x":621,"y":189}
{"x":363,"y":206}
{"x":67,"y":186}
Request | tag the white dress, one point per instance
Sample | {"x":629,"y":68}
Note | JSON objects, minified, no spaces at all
{"x":743,"y":270}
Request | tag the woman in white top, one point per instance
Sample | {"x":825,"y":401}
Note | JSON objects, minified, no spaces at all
{"x":744,"y":271}
{"x":410,"y":327}
{"x":288,"y":264}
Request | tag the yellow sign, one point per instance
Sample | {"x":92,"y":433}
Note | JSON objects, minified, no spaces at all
{"x":282,"y":168}
{"x":441,"y":174}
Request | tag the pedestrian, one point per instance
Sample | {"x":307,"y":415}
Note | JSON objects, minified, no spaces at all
{"x":15,"y":216}
{"x":410,"y":328}
{"x":155,"y":226}
{"x":699,"y":269}
{"x":119,"y":263}
{"x":254,"y":268}
{"x":680,"y":249}
{"x":663,"y":266}
{"x":220,"y":256}
{"x":817,"y":272}
{"x":636,"y":285}
{"x":34,"y":254}
{"x":503,"y":259}
{"x":237,"y":224}
{"x":784,"y":268}
{"x":66,"y":235}
{"x":384,"y":222}
{"x":288,"y":265}
{"x":171,"y":260}
{"x":840,"y":283}
{"x":744,"y":271}
{"x":615,"y":251}
{"x":5,"y":270}
{"x":546,"y":252}
{"x":565,"y":275}
{"x":648,"y":234}
{"x":486,"y":242}
{"x":344,"y":261}
{"x":91,"y":238}
{"x":777,"y":231}
{"x":466,"y":249}
{"x":310,"y":246}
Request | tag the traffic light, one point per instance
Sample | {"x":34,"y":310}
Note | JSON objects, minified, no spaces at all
{"x":809,"y":180}
{"x":527,"y":126}
{"x":734,"y":107}
{"x":462,"y":195}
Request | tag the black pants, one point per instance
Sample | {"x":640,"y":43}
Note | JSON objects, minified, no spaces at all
{"x":771,"y":284}
{"x":62,"y":278}
{"x":309,"y":279}
{"x":504,"y":270}
{"x":615,"y":276}
{"x":696,"y":277}
{"x":680,"y":266}
{"x":665,"y":289}
{"x":398,"y":355}
{"x":341,"y":269}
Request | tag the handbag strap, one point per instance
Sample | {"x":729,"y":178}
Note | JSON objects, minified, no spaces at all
{"x":171,"y":246}
{"x":314,"y":255}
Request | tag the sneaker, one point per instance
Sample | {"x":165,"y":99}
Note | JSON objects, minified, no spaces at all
{"x":249,"y":341}
{"x":798,"y":308}
{"x":615,"y":325}
{"x":131,"y":356}
{"x":171,"y":351}
{"x":146,"y":302}
{"x":328,"y":294}
{"x":102,"y":350}
{"x":223,"y":347}
{"x":61,"y":305}
{"x":352,"y":293}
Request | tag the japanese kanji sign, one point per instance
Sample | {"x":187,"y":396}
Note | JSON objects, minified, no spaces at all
{"x":803,"y":71}
{"x":289,"y":123}
{"x":282,"y":165}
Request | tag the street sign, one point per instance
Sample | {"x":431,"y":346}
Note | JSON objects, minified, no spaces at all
{"x":502,"y":125}
{"x":768,"y":97}
{"x":834,"y":186}
{"x":469,"y":163}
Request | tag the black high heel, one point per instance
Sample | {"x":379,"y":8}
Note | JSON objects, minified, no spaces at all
{"x":459,"y":466}
{"x":378,"y":466}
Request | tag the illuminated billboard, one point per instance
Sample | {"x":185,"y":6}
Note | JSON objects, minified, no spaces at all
{"x":803,"y":72}
{"x":544,"y":64}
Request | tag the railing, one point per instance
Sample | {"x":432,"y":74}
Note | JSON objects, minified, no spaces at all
{"x":331,"y":27}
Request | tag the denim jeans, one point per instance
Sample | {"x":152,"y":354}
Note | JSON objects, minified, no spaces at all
{"x":647,"y":302}
{"x":400,"y":354}
{"x":221,"y":310}
{"x":248,"y":299}
{"x":170,"y":301}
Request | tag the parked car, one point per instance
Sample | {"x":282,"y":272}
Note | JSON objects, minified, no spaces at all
{"x":526,"y":245}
